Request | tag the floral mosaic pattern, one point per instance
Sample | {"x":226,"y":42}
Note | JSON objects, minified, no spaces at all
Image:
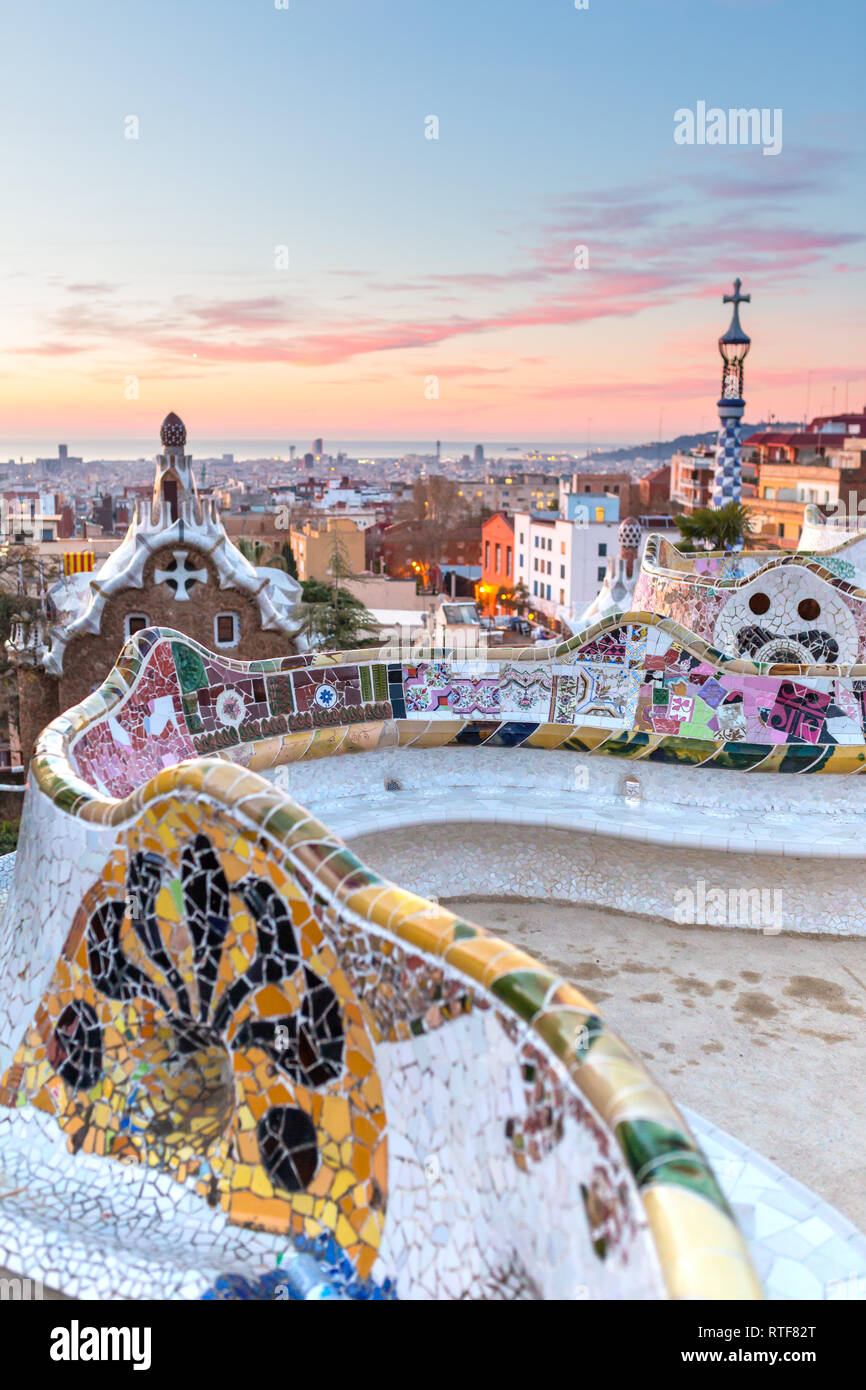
{"x":441,"y":689}
{"x":198,"y":1022}
{"x":525,"y":693}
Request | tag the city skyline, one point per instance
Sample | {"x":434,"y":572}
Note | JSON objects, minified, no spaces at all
{"x":146,"y":273}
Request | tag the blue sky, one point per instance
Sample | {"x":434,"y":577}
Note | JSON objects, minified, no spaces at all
{"x":154,"y":258}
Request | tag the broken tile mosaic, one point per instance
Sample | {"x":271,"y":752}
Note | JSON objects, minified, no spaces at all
{"x":225,"y":1000}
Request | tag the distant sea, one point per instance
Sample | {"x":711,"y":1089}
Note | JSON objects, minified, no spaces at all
{"x":95,"y":449}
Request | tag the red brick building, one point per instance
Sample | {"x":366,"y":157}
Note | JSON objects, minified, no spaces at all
{"x":654,"y":491}
{"x":826,"y":434}
{"x":621,"y":485}
{"x":408,"y":550}
{"x":497,"y":561}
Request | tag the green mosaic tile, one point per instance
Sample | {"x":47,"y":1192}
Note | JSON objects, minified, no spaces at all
{"x":656,"y":1154}
{"x":189,"y":667}
{"x":523,"y":990}
{"x":464,"y":932}
{"x":281,"y":696}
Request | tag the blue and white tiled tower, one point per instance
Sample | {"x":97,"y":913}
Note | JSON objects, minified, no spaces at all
{"x":734,"y":347}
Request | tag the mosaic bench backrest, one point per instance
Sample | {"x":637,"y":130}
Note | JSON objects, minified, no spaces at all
{"x":200,"y":978}
{"x":634,"y":685}
{"x":841,"y":535}
{"x":770,"y":608}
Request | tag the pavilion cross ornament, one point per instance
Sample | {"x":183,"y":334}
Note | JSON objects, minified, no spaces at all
{"x":180,"y":575}
{"x":736,"y":298}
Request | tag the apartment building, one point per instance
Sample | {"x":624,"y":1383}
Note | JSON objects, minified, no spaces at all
{"x":563,"y":562}
{"x":313,"y":545}
{"x":620,"y":485}
{"x":692,"y":475}
{"x":835,"y":481}
{"x":513,"y":492}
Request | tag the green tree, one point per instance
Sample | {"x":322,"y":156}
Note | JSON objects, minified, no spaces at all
{"x":287,"y":556}
{"x":723,"y":527}
{"x":259,"y":553}
{"x":520,"y":599}
{"x":335,"y":618}
{"x":9,"y":835}
{"x":254,"y":551}
{"x":24,"y":577}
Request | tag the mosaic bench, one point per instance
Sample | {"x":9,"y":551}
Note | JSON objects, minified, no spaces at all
{"x":227,"y":1047}
{"x":801,"y":609}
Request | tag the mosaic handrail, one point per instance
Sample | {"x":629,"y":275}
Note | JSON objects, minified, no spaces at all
{"x":802,"y":612}
{"x":663,"y":556}
{"x":732,"y":569}
{"x":850,"y":528}
{"x":633,"y":686}
{"x":220,"y":990}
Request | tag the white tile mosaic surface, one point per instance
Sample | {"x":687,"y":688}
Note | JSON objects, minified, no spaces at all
{"x":802,"y":1247}
{"x":115,"y":1226}
{"x":719,"y":826}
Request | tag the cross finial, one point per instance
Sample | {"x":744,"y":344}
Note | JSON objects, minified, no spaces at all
{"x":736,"y":298}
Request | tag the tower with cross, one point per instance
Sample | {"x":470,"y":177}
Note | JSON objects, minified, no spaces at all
{"x":733,"y":346}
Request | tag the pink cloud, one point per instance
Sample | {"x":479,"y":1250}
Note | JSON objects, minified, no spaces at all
{"x":48,"y":349}
{"x":645,"y":251}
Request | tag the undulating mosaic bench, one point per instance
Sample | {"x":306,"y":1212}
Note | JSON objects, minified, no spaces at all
{"x":228,"y":1039}
{"x":785,"y":613}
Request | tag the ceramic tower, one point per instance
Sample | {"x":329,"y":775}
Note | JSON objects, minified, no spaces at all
{"x":733,"y":346}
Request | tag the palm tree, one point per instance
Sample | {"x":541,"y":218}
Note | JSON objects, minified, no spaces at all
{"x":720,"y":528}
{"x":251,"y":550}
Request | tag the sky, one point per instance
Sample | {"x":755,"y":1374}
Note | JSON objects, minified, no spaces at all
{"x":281,"y":250}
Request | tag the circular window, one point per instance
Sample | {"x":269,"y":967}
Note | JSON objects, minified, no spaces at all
{"x":809,"y":609}
{"x":759,"y":603}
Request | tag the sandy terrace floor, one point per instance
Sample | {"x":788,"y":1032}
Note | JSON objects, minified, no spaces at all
{"x":764,"y":1035}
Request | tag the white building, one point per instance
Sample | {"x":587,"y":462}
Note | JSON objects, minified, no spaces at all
{"x":339,"y":492}
{"x":29,"y":515}
{"x":561,"y":562}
